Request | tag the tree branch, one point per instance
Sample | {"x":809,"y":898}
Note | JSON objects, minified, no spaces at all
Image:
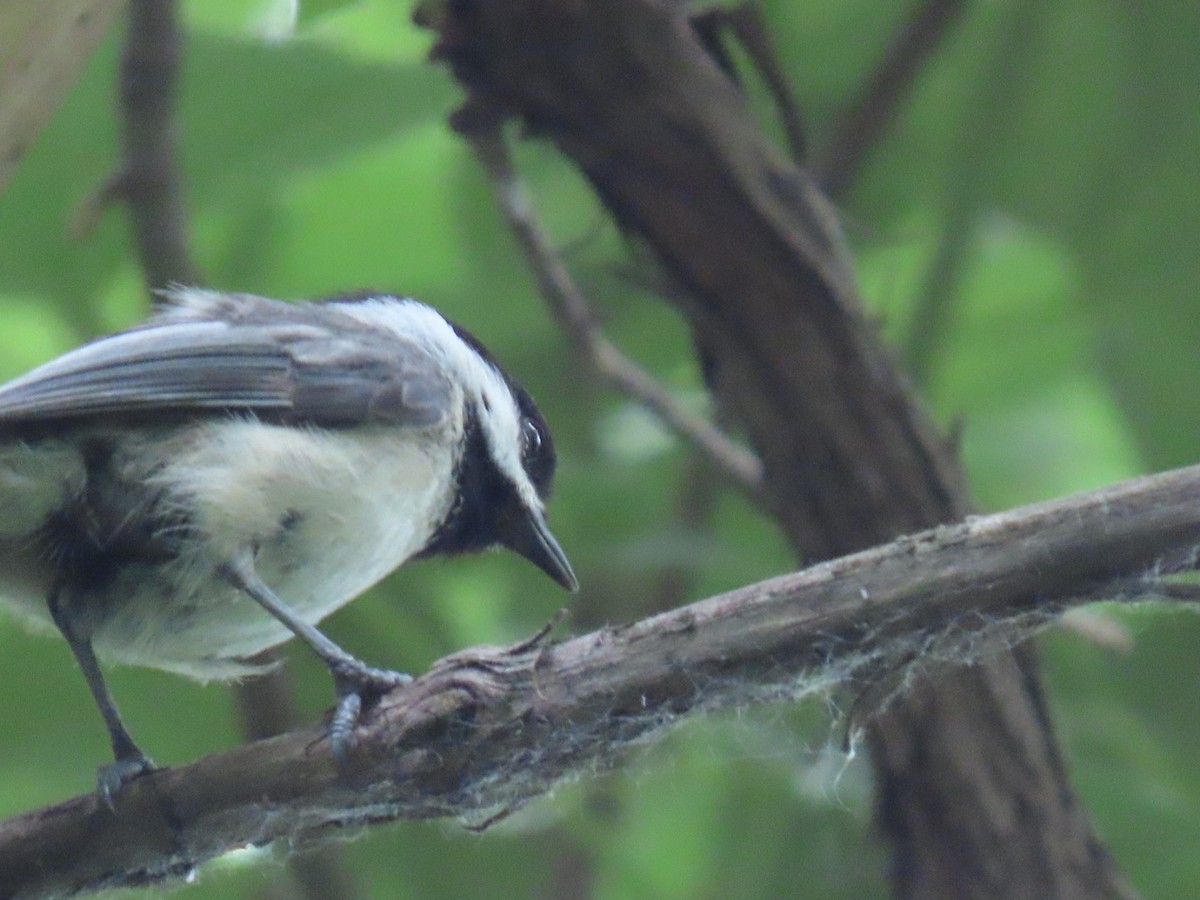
{"x":572,"y":311}
{"x":489,"y":728}
{"x":972,"y":790}
{"x":745,"y":21}
{"x":148,"y":178}
{"x":869,"y":114}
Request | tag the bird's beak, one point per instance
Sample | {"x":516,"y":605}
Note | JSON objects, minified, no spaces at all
{"x":525,"y":531}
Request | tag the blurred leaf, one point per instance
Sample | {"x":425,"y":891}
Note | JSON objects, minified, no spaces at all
{"x":254,"y":116}
{"x":315,"y":9}
{"x":43,"y":46}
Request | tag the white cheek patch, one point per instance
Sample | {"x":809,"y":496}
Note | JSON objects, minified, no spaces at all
{"x":502,"y":427}
{"x":498,"y":413}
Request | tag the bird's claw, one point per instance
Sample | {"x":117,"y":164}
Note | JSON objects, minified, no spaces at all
{"x":358,"y":685}
{"x":112,"y":777}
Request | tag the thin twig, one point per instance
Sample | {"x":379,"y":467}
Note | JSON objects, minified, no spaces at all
{"x":572,"y":312}
{"x":44,"y":47}
{"x":869,"y":115}
{"x":1173,"y":591}
{"x":747,"y":24}
{"x":936,"y":298}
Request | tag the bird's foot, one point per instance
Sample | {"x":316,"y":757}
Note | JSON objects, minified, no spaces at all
{"x":357,"y":685}
{"x":112,"y":777}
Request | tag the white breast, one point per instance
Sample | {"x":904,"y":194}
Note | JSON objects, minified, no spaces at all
{"x":329,"y":513}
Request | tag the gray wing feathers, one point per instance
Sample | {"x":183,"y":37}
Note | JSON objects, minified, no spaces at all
{"x":367,"y":379}
{"x":286,"y":372}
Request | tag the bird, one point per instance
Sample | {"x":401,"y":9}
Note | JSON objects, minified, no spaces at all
{"x":204,"y":486}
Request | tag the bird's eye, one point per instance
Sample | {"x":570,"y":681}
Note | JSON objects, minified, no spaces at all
{"x":531,"y":438}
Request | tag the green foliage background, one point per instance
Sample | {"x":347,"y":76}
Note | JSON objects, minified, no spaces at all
{"x":1046,"y":166}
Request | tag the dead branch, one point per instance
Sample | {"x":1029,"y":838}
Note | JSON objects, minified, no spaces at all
{"x":573,"y":314}
{"x":747,"y":24}
{"x":488,"y":729}
{"x":972,"y":791}
{"x":881,"y":99}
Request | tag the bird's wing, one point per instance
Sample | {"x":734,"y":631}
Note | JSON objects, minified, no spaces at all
{"x":331,"y":374}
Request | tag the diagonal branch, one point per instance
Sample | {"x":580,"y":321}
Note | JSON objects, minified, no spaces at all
{"x":870,"y":114}
{"x":746,"y":22}
{"x":489,"y":728}
{"x":573,"y":313}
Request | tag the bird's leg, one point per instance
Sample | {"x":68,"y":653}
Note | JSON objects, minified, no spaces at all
{"x":356,"y":683}
{"x":130,"y":761}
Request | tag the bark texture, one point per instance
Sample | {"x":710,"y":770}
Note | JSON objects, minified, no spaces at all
{"x":973,"y":794}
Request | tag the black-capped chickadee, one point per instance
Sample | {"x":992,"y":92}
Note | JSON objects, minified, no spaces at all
{"x":193,"y":491}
